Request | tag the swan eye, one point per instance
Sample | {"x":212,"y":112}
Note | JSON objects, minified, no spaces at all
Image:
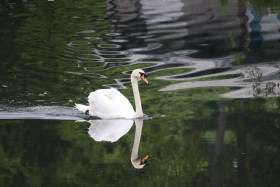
{"x":141,"y":74}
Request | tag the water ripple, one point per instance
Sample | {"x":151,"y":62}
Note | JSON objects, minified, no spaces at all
{"x":260,"y":80}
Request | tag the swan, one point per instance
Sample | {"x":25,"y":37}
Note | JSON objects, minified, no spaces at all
{"x":111,"y":104}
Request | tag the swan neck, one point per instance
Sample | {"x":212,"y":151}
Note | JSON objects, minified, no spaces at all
{"x":134,"y":154}
{"x":138,"y":105}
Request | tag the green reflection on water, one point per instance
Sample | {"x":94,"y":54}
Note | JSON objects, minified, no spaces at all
{"x":182,"y":150}
{"x":47,"y":58}
{"x":35,"y":54}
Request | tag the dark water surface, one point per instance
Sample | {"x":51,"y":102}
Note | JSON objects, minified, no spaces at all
{"x":212,"y":106}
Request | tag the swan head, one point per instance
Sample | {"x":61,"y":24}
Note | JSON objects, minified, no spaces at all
{"x":144,"y":160}
{"x":140,"y":163}
{"x":139,"y":74}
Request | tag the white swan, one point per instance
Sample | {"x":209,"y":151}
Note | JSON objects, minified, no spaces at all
{"x":111,"y":104}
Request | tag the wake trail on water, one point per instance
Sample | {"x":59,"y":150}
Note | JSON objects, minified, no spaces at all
{"x":41,"y":112}
{"x":49,"y":113}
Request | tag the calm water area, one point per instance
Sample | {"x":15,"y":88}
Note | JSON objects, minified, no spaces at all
{"x":211,"y":108}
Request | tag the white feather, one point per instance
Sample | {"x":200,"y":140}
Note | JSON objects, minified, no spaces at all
{"x":82,"y":108}
{"x":110,"y":104}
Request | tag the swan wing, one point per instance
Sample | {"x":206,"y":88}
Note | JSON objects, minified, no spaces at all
{"x":110,"y":104}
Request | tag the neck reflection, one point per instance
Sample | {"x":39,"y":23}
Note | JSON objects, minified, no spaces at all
{"x":113,"y":130}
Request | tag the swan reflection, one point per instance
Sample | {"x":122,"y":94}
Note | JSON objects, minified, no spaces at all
{"x":109,"y":130}
{"x":113,"y":130}
{"x":137,"y":162}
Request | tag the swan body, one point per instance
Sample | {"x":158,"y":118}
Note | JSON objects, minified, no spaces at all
{"x":111,"y":104}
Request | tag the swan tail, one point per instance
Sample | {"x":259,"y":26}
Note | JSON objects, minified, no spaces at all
{"x":84,"y":109}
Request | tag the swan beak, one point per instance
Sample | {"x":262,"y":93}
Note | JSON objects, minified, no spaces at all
{"x":144,"y":160}
{"x":144,"y":78}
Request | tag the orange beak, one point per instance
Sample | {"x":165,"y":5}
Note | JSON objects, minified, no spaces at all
{"x":144,"y":79}
{"x":144,"y":160}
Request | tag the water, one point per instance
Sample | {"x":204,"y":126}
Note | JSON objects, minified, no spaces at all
{"x":211,"y":108}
